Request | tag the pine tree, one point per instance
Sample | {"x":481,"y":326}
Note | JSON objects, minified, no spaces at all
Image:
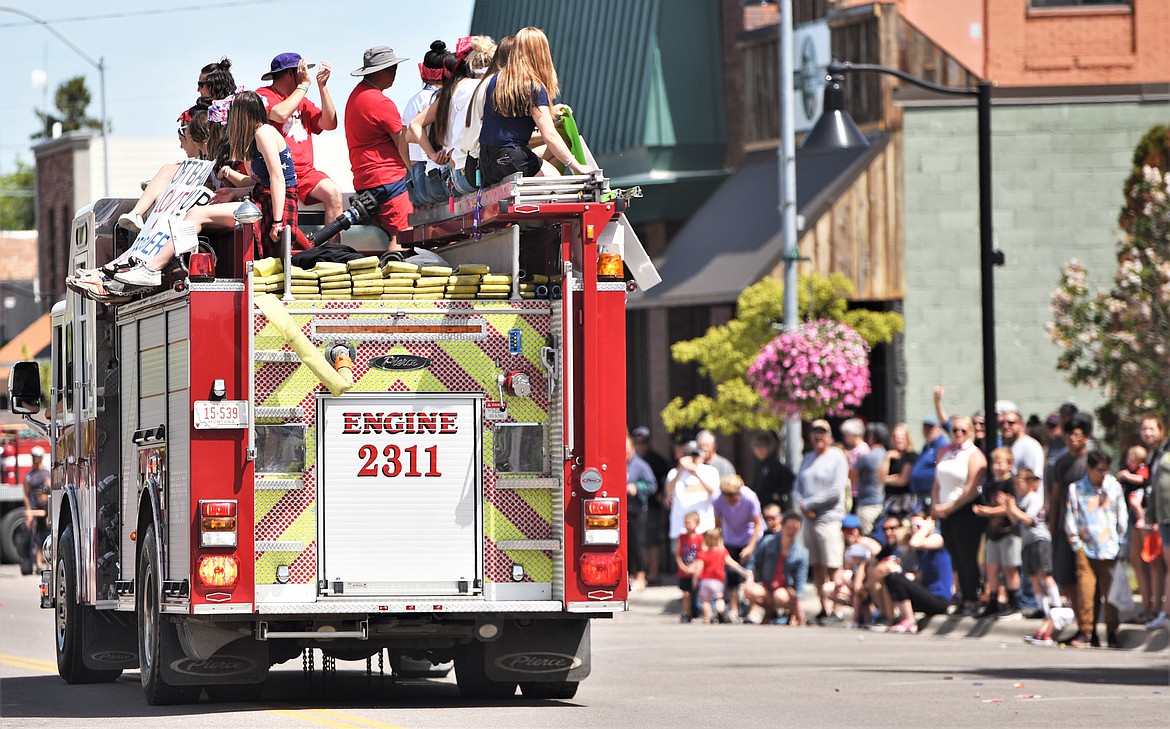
{"x":72,"y":101}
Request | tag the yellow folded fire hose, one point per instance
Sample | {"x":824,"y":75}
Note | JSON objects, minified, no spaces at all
{"x":274,"y":310}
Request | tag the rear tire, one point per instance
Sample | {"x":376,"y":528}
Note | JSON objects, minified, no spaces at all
{"x":471,"y":675}
{"x":69,"y":623}
{"x":13,"y":537}
{"x":549,"y":689}
{"x":154,"y":632}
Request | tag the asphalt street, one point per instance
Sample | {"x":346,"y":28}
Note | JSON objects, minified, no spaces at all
{"x":649,"y":671}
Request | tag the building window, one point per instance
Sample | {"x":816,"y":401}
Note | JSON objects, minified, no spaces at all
{"x":1080,"y":3}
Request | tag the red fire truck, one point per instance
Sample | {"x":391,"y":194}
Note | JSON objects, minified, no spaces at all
{"x":218,"y":509}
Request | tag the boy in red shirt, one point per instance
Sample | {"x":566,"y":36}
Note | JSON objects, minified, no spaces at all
{"x":685,"y":551}
{"x":377,"y":146}
{"x":710,"y":567}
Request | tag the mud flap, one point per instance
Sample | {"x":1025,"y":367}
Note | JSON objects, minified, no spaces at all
{"x":544,"y":650}
{"x":241,"y":661}
{"x":111,"y":639}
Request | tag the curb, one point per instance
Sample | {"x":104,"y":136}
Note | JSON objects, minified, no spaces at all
{"x":664,"y":600}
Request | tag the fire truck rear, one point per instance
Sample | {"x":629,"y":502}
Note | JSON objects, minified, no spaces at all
{"x":241,"y":479}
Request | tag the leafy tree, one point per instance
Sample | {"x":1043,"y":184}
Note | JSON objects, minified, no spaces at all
{"x":72,"y":100}
{"x":16,"y":198}
{"x":724,"y":353}
{"x":1119,"y":340}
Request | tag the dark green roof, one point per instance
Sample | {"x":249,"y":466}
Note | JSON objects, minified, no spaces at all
{"x":644,"y":78}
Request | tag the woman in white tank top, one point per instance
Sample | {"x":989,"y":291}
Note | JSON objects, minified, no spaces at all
{"x":958,"y":477}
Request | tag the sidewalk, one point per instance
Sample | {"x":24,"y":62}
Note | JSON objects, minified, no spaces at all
{"x":664,"y":601}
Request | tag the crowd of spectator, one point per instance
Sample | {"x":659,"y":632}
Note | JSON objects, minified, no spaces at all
{"x":888,"y":535}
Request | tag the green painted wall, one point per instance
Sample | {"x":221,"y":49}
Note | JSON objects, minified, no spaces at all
{"x":645,"y":80}
{"x":1057,"y":189}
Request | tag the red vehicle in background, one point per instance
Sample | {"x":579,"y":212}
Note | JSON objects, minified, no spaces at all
{"x":16,"y":443}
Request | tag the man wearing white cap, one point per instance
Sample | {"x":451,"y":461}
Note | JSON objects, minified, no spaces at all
{"x":36,"y":507}
{"x":377,"y":146}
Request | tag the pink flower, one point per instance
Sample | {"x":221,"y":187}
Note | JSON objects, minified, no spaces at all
{"x":820,"y":368}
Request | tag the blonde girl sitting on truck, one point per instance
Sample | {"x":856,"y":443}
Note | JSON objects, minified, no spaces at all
{"x":263,"y":147}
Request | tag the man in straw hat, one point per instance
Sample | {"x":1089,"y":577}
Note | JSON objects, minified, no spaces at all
{"x":377,"y":146}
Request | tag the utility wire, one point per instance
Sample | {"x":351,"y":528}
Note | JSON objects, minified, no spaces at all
{"x":135,"y":13}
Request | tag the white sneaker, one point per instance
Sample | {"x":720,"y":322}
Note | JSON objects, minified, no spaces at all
{"x":140,"y":276}
{"x":1159,"y":622}
{"x":131,"y":221}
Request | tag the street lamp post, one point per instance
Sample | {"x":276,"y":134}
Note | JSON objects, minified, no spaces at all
{"x":99,"y":64}
{"x":823,"y":136}
{"x":787,"y":152}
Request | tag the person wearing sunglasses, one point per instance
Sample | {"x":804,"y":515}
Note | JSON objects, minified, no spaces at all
{"x":1095,"y":522}
{"x":957,"y":480}
{"x":1026,"y":450}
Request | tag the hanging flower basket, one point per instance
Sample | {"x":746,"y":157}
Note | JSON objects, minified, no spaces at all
{"x":821,"y":368}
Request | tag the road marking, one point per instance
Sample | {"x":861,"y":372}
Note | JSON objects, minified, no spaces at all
{"x":33,"y":663}
{"x":322,"y":716}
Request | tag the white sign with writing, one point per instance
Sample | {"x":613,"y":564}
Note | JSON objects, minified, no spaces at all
{"x":185,"y":191}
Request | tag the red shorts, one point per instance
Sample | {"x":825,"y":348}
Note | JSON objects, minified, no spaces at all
{"x":308,"y":182}
{"x":392,"y":215}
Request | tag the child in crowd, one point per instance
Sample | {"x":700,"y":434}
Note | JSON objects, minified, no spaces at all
{"x":1134,"y":478}
{"x":1002,"y":547}
{"x":861,"y":552}
{"x":685,"y":552}
{"x":710,"y":566}
{"x":1027,"y":510}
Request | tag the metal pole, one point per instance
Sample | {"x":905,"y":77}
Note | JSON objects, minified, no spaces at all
{"x":987,"y":273}
{"x":787,"y":164}
{"x":989,"y":258}
{"x":101,"y":66}
{"x":286,"y":238}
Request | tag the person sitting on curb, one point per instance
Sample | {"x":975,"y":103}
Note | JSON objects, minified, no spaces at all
{"x":780,"y":564}
{"x":930,"y":591}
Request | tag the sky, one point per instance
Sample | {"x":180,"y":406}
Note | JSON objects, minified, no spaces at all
{"x":152,"y":52}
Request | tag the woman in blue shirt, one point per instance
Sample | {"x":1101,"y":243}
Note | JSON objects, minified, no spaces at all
{"x":931,"y":592}
{"x":517,"y":102}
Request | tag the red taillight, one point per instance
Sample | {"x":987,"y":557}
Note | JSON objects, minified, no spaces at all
{"x":602,"y":523}
{"x":217,"y":524}
{"x":218,"y":570}
{"x":601,"y":507}
{"x":218,"y":508}
{"x":601,"y":570}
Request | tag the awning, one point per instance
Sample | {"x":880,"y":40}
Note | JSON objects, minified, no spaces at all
{"x":734,"y":239}
{"x":32,"y":343}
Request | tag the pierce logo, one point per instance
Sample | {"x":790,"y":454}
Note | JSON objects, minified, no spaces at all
{"x":399,"y":362}
{"x":218,"y":666}
{"x":115,"y":657}
{"x":538,"y":662}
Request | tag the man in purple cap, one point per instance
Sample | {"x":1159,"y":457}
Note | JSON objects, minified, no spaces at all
{"x":297,"y":118}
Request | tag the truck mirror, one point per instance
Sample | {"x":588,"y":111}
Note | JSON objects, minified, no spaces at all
{"x":24,"y":388}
